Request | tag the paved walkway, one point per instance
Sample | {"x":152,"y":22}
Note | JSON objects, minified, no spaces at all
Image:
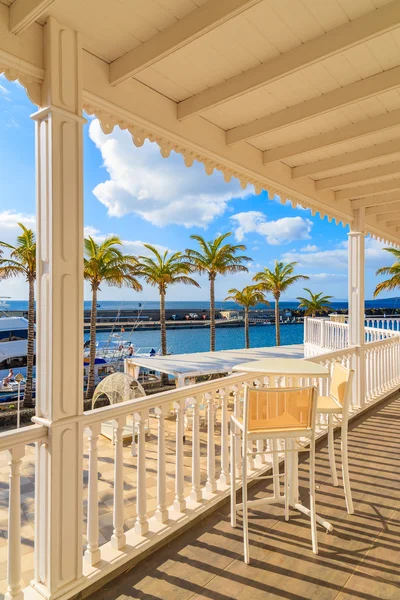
{"x":359,"y":560}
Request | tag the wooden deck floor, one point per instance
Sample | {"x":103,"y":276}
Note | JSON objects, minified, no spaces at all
{"x":360,"y":559}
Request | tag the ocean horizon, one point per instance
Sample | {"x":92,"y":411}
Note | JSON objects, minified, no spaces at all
{"x":189,"y":305}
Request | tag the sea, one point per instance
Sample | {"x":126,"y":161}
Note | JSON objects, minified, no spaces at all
{"x":181,"y":341}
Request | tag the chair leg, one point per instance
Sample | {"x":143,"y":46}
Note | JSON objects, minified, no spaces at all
{"x":245,"y":515}
{"x":345,"y":472}
{"x":286,"y":483}
{"x":312,"y":498}
{"x":331,"y":450}
{"x":233,"y":478}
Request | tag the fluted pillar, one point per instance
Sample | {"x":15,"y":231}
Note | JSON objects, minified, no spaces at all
{"x":59,"y":397}
{"x":357,"y":303}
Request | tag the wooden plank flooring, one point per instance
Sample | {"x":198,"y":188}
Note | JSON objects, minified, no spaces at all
{"x":360,"y":559}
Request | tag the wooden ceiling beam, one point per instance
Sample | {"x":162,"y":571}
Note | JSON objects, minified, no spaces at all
{"x":333,"y":42}
{"x":333,"y":100}
{"x":394,"y":223}
{"x":388,"y":216}
{"x":197,"y":23}
{"x":357,"y":176}
{"x":345,"y":160}
{"x":378,"y":200}
{"x":336,"y":136}
{"x":381,"y":211}
{"x":369,"y":189}
{"x":25,"y":12}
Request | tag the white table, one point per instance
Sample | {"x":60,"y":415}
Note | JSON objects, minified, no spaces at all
{"x":294,"y":369}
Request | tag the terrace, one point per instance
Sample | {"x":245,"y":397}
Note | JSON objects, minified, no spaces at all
{"x":299,"y":98}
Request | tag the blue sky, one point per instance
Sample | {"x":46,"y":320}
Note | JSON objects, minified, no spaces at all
{"x":138,"y":195}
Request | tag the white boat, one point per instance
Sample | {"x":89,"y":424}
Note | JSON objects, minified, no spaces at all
{"x":13,"y":342}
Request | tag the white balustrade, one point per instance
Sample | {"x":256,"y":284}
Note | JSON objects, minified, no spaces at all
{"x":179,"y":502}
{"x":195,"y":494}
{"x":92,"y":553}
{"x":211,"y":484}
{"x":161,"y":512}
{"x":141,"y":525}
{"x":13,"y":444}
{"x":224,"y":477}
{"x":118,"y":538}
{"x":382,"y":360}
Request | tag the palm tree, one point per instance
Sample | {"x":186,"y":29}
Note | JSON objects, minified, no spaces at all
{"x":393,"y":271}
{"x":216,"y":258}
{"x":248,"y":297}
{"x":22,"y":261}
{"x":316,"y":303}
{"x":105,"y":263}
{"x":277,"y":282}
{"x":162,"y":270}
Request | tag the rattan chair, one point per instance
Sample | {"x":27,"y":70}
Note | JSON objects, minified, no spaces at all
{"x":334,"y":406}
{"x":286,"y":414}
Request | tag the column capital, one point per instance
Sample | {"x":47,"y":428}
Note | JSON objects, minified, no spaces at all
{"x":48,"y":111}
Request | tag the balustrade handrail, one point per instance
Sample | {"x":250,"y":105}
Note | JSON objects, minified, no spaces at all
{"x":98,"y":415}
{"x":25,"y":435}
{"x":348,"y":351}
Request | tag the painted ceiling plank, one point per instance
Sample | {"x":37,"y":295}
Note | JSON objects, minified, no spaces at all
{"x":25,"y":12}
{"x":333,"y":42}
{"x":342,"y":134}
{"x":189,"y":28}
{"x":356,"y":176}
{"x":376,"y":200}
{"x":368,"y":189}
{"x":344,"y":160}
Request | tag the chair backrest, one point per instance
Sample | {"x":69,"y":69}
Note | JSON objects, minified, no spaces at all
{"x":279,"y":408}
{"x":340,"y":387}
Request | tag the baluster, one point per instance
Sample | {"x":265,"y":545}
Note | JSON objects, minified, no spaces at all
{"x":92,"y":553}
{"x":118,"y":538}
{"x":224,"y":477}
{"x":211,"y":484}
{"x":179,"y":504}
{"x":14,"y":592}
{"x":141,"y":525}
{"x":237,"y":414}
{"x":195,"y":494}
{"x":161,"y":513}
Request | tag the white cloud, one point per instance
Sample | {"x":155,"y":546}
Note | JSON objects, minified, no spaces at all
{"x":135,"y":247}
{"x":4,"y":92}
{"x":162,"y":191}
{"x":309,"y":248}
{"x":276,"y":232}
{"x":337,"y":257}
{"x":9,"y":228}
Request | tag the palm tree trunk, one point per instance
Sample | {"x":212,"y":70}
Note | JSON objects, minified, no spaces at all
{"x":212,"y":314}
{"x":246,"y":327}
{"x":163,"y":332}
{"x":277,"y":322}
{"x":92,"y":350}
{"x":28,"y":395}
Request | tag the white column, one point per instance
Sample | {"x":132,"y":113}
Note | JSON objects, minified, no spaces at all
{"x":59,"y":397}
{"x":141,"y":525}
{"x":92,"y":553}
{"x":118,"y":538}
{"x":161,"y":512}
{"x":14,"y":526}
{"x":356,"y":303}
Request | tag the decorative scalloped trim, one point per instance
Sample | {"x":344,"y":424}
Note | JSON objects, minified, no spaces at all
{"x":32,"y":87}
{"x":140,"y":135}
